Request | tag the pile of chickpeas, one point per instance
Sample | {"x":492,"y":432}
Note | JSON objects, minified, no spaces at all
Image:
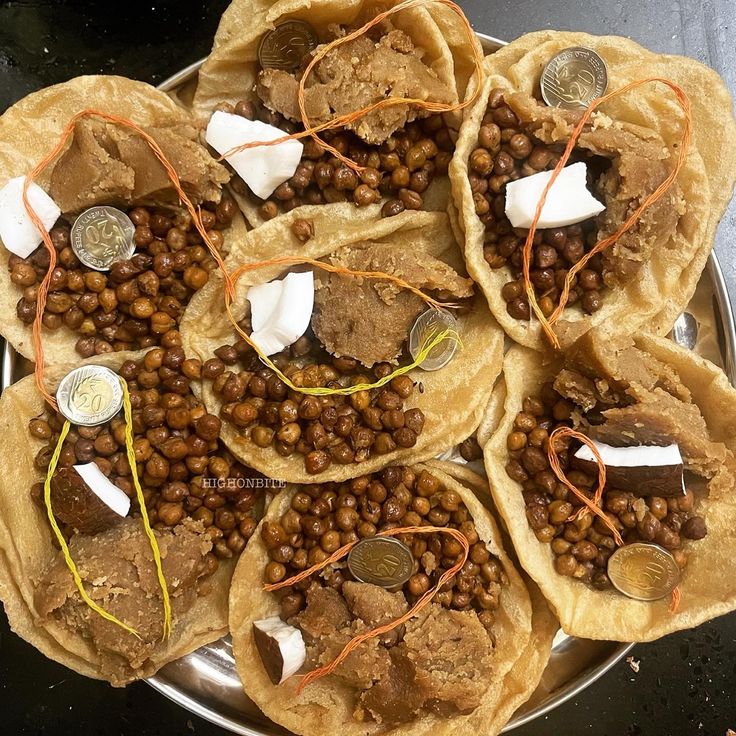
{"x":139,"y":300}
{"x":583,"y":545}
{"x":506,"y":153}
{"x":177,"y":450}
{"x":400,"y":169}
{"x":324,"y":429}
{"x":324,"y":517}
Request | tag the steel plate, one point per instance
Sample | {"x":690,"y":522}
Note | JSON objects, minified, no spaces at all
{"x":206,"y":683}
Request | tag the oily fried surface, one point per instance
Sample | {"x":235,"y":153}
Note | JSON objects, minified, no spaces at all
{"x":666,"y":281}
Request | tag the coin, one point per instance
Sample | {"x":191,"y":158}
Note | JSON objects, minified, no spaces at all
{"x":101,"y":236}
{"x":574,"y":78}
{"x":383,"y":561}
{"x":428,"y":325}
{"x":643,"y":571}
{"x":90,"y":395}
{"x":286,"y":45}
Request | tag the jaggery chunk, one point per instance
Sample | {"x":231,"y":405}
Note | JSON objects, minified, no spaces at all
{"x":369,"y":319}
{"x":355,"y":75}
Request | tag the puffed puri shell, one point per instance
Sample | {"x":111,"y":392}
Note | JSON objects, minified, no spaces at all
{"x":29,"y":130}
{"x":230,"y":71}
{"x":708,"y":583}
{"x":27,"y":550}
{"x":524,"y":630}
{"x":453,"y":398}
{"x":666,"y":283}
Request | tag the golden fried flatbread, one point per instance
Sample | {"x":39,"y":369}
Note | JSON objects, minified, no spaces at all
{"x":230,"y":72}
{"x":27,"y":550}
{"x":524,"y":630}
{"x":454,"y":397}
{"x":666,"y":282}
{"x":30,"y":129}
{"x":708,"y":583}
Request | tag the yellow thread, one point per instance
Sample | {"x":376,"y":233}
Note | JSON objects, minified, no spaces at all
{"x":348,"y":390}
{"x":62,"y":542}
{"x":144,"y":514}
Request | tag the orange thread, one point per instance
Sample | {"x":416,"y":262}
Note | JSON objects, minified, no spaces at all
{"x":342,"y":120}
{"x":356,"y":641}
{"x":595,"y":504}
{"x":676,"y":598}
{"x":657,"y":194}
{"x":46,"y":237}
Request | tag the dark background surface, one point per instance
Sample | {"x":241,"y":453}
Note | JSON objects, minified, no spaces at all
{"x":686,"y":683}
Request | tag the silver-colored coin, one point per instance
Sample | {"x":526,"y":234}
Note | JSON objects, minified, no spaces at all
{"x":643,"y":571}
{"x":383,"y":561}
{"x":574,"y":78}
{"x":428,"y":325}
{"x":284,"y":46}
{"x":101,"y":236}
{"x":90,"y":395}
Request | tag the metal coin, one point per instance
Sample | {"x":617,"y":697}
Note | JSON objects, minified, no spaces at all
{"x":383,"y":561}
{"x":428,"y":325}
{"x":90,"y":395}
{"x":101,"y":236}
{"x":574,"y":78}
{"x":645,"y":572}
{"x":286,"y":45}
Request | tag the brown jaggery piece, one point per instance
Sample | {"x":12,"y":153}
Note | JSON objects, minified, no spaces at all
{"x":117,"y":569}
{"x":374,"y":606}
{"x":352,"y":77}
{"x":580,"y":389}
{"x":110,"y":164}
{"x":623,"y":367}
{"x":640,"y":162}
{"x":452,"y":654}
{"x":325,"y":613}
{"x":395,"y":698}
{"x":369,"y":319}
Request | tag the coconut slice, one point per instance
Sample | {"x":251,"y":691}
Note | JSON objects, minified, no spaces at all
{"x":17,"y":231}
{"x":281,"y":311}
{"x":262,"y":168}
{"x":644,"y":470}
{"x":568,"y":201}
{"x":104,"y":489}
{"x":281,"y":648}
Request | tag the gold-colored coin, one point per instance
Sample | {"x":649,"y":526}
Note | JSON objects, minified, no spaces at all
{"x":428,"y":325}
{"x":383,"y":561}
{"x":286,"y":45}
{"x":101,"y":236}
{"x":90,"y":395}
{"x":574,"y":78}
{"x":643,"y":571}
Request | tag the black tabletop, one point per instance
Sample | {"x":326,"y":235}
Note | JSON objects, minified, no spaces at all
{"x":685,"y":683}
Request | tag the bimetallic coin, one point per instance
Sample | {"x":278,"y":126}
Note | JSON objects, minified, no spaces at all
{"x":101,"y":236}
{"x":643,"y":571}
{"x":428,"y":325}
{"x":90,"y":395}
{"x":383,"y":561}
{"x":286,"y":45}
{"x":574,"y":78}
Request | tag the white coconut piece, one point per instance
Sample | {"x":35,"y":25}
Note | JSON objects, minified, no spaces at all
{"x":280,"y":312}
{"x":17,"y":231}
{"x":262,"y":168}
{"x":104,"y":489}
{"x":281,"y":648}
{"x":639,"y":456}
{"x":568,"y":201}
